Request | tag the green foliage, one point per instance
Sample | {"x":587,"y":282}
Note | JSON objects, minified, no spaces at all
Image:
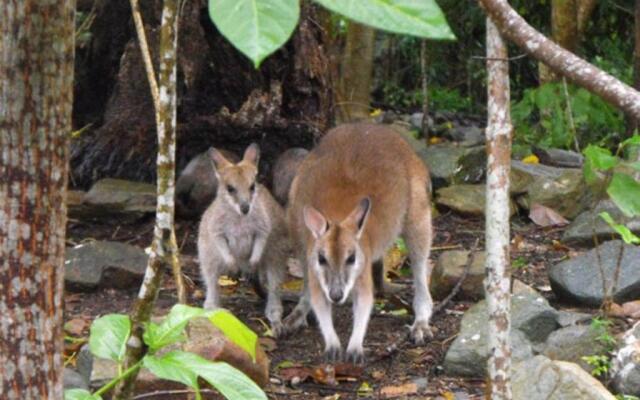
{"x":108,"y":338}
{"x":624,"y":232}
{"x":440,"y":99}
{"x":255,"y":27}
{"x":260,"y":27}
{"x":601,"y":364}
{"x":235,"y":330}
{"x":418,"y":18}
{"x":625,"y":192}
{"x":626,"y":397}
{"x":543,"y":117}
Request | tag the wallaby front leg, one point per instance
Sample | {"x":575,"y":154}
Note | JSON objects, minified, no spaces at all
{"x":322,"y":309}
{"x":211,"y":281}
{"x":273,"y":309}
{"x":259,"y":244}
{"x":225,"y":252}
{"x":362,"y":306}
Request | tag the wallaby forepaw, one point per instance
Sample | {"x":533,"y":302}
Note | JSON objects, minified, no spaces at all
{"x":294,"y":321}
{"x":421,"y":331}
{"x":277,"y":329}
{"x":333,"y":354}
{"x":355,"y":356}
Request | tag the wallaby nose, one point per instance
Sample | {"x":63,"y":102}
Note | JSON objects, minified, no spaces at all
{"x":244,"y":208}
{"x":336,"y":295}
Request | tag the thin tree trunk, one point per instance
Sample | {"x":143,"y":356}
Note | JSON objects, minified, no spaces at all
{"x":497,"y":281}
{"x":356,"y":72}
{"x":425,"y":90}
{"x":561,"y":61}
{"x":633,"y":123}
{"x":585,"y":10}
{"x":36,"y":68}
{"x":564,"y":31}
{"x":164,"y":251}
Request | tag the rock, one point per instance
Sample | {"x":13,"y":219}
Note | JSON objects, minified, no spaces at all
{"x":285,"y":170}
{"x":522,"y":175}
{"x":410,"y":136}
{"x":197,"y":185}
{"x":542,"y":379}
{"x":579,"y":280}
{"x":73,"y":380}
{"x":205,"y":340}
{"x":626,"y":363}
{"x":582,"y":229}
{"x":465,"y":199}
{"x":519,"y":287}
{"x":569,"y":318}
{"x":572,"y":343}
{"x":109,"y":198}
{"x":416,"y":121}
{"x":469,"y":135}
{"x":444,"y":161}
{"x":104,"y":264}
{"x":568,"y":194}
{"x":472,"y":168}
{"x":84,"y":362}
{"x":559,"y":158}
{"x":532,"y":319}
{"x":449,"y":269}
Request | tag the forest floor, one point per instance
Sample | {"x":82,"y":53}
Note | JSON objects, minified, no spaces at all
{"x":392,"y":360}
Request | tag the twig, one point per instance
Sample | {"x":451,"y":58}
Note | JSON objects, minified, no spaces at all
{"x":146,"y":54}
{"x":572,"y":123}
{"x":170,"y":392}
{"x":514,"y":58}
{"x":458,"y":285}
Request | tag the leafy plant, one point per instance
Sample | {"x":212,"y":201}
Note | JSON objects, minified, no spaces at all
{"x":601,"y":364}
{"x":258,"y":28}
{"x":547,"y":117}
{"x":109,"y":335}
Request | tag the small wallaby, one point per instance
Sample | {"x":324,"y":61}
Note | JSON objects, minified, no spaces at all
{"x":284,"y":170}
{"x":354,"y":194}
{"x":243,"y":230}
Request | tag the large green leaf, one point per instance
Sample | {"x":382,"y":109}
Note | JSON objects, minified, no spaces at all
{"x":626,"y":234}
{"x":255,"y":27}
{"x":173,"y":366}
{"x":422,"y":18}
{"x":108,"y":336}
{"x":625,"y":192}
{"x":600,"y":158}
{"x":80,"y":394}
{"x":231,"y":382}
{"x":171,"y":329}
{"x":236,"y":331}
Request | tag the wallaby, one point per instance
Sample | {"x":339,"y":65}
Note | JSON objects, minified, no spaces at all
{"x":354,"y":194}
{"x":284,"y":170}
{"x":243,"y":230}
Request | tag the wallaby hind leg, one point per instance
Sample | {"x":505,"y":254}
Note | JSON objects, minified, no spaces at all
{"x":417,"y":233}
{"x":272,"y":274}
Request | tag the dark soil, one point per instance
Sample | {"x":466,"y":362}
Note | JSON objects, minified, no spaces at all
{"x":392,"y":359}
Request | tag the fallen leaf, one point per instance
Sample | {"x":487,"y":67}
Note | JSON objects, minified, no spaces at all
{"x":394,"y":258}
{"x":545,"y":216}
{"x":375,"y":112}
{"x":389,"y":392}
{"x":530,"y":159}
{"x":325,"y":375}
{"x":348,"y":371}
{"x":364,"y":389}
{"x":294,"y":285}
{"x":295,"y":374}
{"x":268,"y":344}
{"x":225,"y":281}
{"x":616,"y":310}
{"x":558,"y":246}
{"x":76,"y":326}
{"x":449,"y":396}
{"x":434,"y":140}
{"x":335,"y":396}
{"x":377,"y":374}
{"x":285,"y":364}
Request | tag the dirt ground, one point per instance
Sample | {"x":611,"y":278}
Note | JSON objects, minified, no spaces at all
{"x":392,"y":360}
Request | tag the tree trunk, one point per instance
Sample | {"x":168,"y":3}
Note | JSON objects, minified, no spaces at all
{"x":164,"y":250}
{"x":224,"y":100}
{"x":425,"y":90}
{"x":36,"y":66}
{"x":564,"y":31}
{"x":561,"y":61}
{"x":634,"y":123}
{"x":497,"y":281}
{"x":355,"y":76}
{"x":585,"y":10}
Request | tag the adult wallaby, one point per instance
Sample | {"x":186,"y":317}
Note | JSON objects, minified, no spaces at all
{"x":354,"y":194}
{"x":243,"y":230}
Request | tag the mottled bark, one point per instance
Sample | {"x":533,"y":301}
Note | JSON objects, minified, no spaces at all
{"x":497,"y":280}
{"x":36,"y":70}
{"x":354,"y":92}
{"x":585,"y":10}
{"x":164,"y":250}
{"x":561,"y":61}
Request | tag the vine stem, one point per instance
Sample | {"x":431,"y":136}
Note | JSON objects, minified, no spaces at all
{"x":134,"y":368}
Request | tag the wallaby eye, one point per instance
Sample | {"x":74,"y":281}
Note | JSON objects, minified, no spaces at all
{"x":351,"y":259}
{"x":252,"y":187}
{"x":322,"y":260}
{"x":231,"y":189}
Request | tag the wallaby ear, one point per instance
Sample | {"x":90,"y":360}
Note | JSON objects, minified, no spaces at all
{"x":252,"y":154}
{"x":315,"y":221}
{"x":359,"y":215}
{"x":218,"y":160}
